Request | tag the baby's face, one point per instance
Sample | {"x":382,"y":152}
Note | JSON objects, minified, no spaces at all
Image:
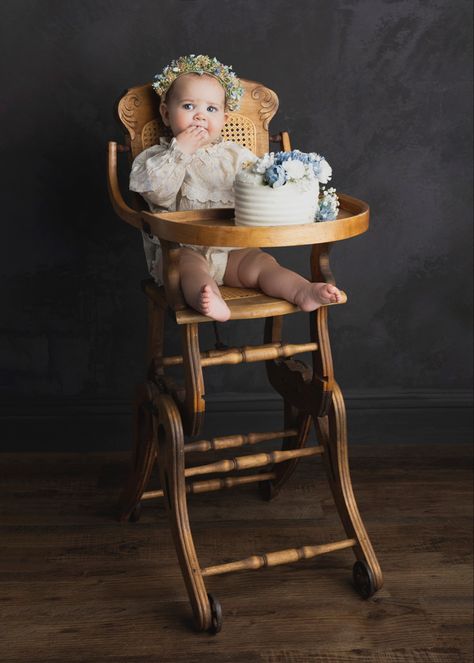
{"x":195,"y":101}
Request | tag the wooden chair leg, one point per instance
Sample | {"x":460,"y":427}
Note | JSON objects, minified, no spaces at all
{"x":144,"y":455}
{"x":144,"y":449}
{"x":332,"y":433}
{"x":194,"y":404}
{"x":171,"y":452}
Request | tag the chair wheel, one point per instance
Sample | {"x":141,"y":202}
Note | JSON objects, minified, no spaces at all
{"x":135,"y":514}
{"x":363,"y":579}
{"x":216,"y":615}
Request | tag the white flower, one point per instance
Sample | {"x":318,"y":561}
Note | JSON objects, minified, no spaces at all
{"x":261,"y":165}
{"x":323,"y":171}
{"x":294,"y":169}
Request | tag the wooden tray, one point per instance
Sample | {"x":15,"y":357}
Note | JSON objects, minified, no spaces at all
{"x":215,"y":227}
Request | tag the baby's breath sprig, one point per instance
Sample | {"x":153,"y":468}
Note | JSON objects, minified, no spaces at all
{"x":328,"y":205}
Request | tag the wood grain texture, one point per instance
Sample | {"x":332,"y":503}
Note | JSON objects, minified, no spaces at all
{"x":79,"y":587}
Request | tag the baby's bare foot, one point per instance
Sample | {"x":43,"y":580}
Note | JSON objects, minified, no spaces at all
{"x":314,"y":295}
{"x":212,"y":305}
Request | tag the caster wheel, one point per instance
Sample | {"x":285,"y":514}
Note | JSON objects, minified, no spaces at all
{"x":216,"y":615}
{"x":136,"y":513}
{"x":363,"y":579}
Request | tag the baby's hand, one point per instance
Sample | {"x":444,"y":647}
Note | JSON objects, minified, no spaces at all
{"x":191,"y":139}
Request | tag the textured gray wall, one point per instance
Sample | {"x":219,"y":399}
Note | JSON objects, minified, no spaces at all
{"x":381,"y":88}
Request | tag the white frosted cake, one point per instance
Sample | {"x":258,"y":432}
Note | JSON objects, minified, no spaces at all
{"x":257,"y":205}
{"x":279,"y":189}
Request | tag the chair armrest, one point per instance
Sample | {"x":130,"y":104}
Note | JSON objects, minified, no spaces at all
{"x":118,"y":203}
{"x":284,"y":139}
{"x":170,"y":249}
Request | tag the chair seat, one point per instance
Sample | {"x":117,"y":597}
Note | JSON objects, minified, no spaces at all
{"x":244,"y":303}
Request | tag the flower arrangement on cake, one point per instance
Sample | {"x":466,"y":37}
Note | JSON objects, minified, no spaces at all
{"x":282,"y":188}
{"x":328,"y":207}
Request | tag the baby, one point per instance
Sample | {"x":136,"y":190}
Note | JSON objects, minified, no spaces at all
{"x":196,"y":170}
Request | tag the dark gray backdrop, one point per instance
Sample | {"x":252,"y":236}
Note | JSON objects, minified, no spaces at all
{"x":382,"y":88}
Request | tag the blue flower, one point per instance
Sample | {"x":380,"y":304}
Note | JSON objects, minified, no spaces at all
{"x":280,"y":167}
{"x":294,"y":155}
{"x":297,"y":155}
{"x":281,"y":157}
{"x":322,"y":169}
{"x":275,"y":176}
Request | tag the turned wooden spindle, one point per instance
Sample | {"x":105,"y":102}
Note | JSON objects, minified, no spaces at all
{"x":245,"y":354}
{"x":249,"y":462}
{"x":214,"y":484}
{"x":239,"y":463}
{"x":233,"y":441}
{"x":176,"y":360}
{"x":275,"y":558}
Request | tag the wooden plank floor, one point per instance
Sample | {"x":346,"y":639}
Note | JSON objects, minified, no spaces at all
{"x":78,"y":586}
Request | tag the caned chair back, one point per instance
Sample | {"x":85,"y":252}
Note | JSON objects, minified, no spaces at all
{"x":138,"y":112}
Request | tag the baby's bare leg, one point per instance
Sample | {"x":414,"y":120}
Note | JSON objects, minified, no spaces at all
{"x":199,"y":288}
{"x":253,"y":268}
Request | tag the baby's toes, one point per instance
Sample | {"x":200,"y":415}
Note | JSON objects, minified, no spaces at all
{"x":328,"y":292}
{"x":334,"y":293}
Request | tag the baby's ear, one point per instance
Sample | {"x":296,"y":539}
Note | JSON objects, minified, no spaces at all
{"x":226,"y":117}
{"x":164,"y":114}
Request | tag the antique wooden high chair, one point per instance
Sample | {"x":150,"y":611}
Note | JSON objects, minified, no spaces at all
{"x":167,"y":412}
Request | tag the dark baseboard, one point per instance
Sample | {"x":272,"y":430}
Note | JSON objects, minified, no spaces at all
{"x":354,"y":400}
{"x":78,"y":424}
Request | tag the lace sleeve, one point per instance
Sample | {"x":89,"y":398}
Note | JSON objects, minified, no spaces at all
{"x":158,"y":173}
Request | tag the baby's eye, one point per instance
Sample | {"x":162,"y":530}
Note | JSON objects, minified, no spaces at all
{"x":212,"y":109}
{"x":187,"y":106}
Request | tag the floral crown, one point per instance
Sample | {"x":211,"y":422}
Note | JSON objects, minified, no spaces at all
{"x":201,"y":64}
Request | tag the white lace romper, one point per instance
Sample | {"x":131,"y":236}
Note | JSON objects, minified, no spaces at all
{"x":171,"y":180}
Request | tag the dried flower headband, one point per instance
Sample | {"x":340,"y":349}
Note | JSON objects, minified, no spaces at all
{"x":201,"y":64}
